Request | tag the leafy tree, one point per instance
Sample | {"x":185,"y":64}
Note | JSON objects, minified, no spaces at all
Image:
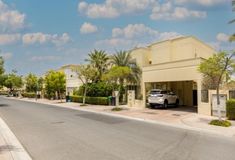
{"x":116,"y":73}
{"x":31,"y":83}
{"x":1,"y":66}
{"x":2,"y":77}
{"x":13,"y":81}
{"x":85,"y":74}
{"x":99,"y":61}
{"x":55,"y":83}
{"x":217,"y":69}
{"x":123,"y":59}
{"x":40,"y":84}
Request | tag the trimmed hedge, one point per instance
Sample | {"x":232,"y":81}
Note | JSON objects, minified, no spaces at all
{"x":230,"y":109}
{"x":90,"y":100}
{"x":4,"y":92}
{"x":221,"y":123}
{"x":29,"y":94}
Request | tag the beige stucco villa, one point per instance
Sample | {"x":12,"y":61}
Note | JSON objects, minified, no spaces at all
{"x":173,"y":65}
{"x":72,"y":80}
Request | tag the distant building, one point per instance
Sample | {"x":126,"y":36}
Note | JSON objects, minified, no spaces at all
{"x":72,"y":80}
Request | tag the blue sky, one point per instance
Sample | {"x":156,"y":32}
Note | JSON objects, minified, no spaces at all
{"x":36,"y":36}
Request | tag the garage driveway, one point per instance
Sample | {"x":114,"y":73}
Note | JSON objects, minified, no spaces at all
{"x":172,"y":115}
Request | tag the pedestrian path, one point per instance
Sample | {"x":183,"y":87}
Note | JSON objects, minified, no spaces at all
{"x":10,"y":147}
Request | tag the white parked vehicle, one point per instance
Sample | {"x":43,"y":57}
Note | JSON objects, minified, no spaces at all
{"x":163,"y":98}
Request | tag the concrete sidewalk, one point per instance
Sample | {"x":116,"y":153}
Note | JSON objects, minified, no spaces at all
{"x":10,"y":147}
{"x":174,"y":118}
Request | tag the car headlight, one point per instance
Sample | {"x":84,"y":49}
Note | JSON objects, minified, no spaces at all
{"x":161,"y":99}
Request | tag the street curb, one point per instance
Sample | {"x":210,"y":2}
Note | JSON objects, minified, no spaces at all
{"x":181,"y":126}
{"x":17,"y":152}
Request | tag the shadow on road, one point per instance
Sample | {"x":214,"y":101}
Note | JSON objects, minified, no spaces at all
{"x":7,"y":148}
{"x":4,"y":105}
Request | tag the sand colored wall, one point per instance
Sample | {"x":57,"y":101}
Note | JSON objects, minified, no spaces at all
{"x":172,"y":50}
{"x":173,"y":61}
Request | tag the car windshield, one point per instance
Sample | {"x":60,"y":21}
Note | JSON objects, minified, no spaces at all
{"x":155,"y":92}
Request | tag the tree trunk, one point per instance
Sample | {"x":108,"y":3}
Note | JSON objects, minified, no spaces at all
{"x":218,"y":102}
{"x":84,"y":95}
{"x":60,"y":96}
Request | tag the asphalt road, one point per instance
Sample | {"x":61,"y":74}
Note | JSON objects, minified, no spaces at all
{"x":53,"y":133}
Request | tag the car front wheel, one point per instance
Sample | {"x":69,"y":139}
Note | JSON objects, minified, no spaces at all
{"x":165,"y":105}
{"x":177,"y":103}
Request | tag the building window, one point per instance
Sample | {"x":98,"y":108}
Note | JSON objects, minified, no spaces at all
{"x":232,"y":94}
{"x":205,"y":96}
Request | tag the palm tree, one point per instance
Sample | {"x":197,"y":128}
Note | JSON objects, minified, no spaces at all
{"x":99,"y":60}
{"x":123,"y":59}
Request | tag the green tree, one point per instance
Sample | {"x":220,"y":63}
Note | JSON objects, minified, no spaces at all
{"x":40,"y":83}
{"x":13,"y":81}
{"x":85,"y":74}
{"x":31,"y":81}
{"x":99,"y":61}
{"x":116,"y":73}
{"x":2,"y":76}
{"x":218,"y":69}
{"x":55,"y":83}
{"x":124,"y":59}
{"x":2,"y":70}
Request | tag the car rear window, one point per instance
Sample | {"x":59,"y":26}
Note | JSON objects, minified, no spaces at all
{"x":155,"y":92}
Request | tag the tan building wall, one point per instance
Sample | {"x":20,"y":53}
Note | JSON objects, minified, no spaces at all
{"x":72,"y":80}
{"x":175,"y":61}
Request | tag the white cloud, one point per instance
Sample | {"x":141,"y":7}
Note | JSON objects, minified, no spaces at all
{"x":10,"y":19}
{"x":9,"y":38}
{"x":134,"y":30}
{"x":168,"y":11}
{"x":41,"y":38}
{"x":222,"y":37}
{"x":135,"y":35}
{"x":87,"y":28}
{"x":6,"y":55}
{"x":45,"y":58}
{"x":207,"y":3}
{"x":113,"y":8}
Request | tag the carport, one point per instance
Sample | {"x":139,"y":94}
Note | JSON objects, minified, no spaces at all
{"x":181,"y":77}
{"x":185,"y":90}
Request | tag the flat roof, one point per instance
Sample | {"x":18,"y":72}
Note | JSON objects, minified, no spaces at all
{"x":174,"y":39}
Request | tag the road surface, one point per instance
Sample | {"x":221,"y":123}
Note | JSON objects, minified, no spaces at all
{"x":54,"y":133}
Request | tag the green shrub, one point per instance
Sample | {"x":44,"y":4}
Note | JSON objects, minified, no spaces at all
{"x":90,"y":100}
{"x":230,"y":109}
{"x":222,"y":123}
{"x":100,"y":89}
{"x":117,"y":109}
{"x":29,"y":94}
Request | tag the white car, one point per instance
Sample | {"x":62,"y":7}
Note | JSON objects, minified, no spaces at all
{"x":163,"y":98}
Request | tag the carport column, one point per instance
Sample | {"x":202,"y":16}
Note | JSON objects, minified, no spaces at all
{"x":144,"y":95}
{"x":199,"y":92}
